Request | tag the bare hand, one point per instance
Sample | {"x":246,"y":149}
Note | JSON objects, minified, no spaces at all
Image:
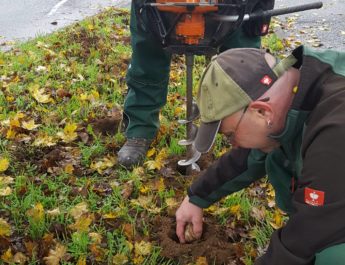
{"x":188,"y":213}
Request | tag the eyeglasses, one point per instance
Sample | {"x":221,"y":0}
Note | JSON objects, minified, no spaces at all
{"x":230,"y":136}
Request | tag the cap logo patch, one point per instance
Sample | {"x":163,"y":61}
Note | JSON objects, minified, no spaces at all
{"x":314,"y":197}
{"x":264,"y":28}
{"x":266,"y":80}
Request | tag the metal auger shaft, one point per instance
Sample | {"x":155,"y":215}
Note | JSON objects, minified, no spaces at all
{"x":192,"y":113}
{"x":189,"y":99}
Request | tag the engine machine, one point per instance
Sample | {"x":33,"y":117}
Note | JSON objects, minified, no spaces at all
{"x":199,"y":27}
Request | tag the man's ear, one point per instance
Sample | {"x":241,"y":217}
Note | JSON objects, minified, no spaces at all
{"x":263,"y":109}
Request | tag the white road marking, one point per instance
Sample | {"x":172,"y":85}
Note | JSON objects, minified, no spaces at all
{"x":56,"y":7}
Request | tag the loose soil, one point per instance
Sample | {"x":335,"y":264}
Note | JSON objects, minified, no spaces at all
{"x":213,"y":245}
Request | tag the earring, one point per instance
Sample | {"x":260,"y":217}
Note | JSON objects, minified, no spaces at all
{"x":269,"y":124}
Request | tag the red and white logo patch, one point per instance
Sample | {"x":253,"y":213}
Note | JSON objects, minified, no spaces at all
{"x":264,"y":29}
{"x":266,"y":80}
{"x":314,"y":197}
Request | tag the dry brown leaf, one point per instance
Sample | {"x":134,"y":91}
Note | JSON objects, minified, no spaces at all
{"x":20,"y":258}
{"x":55,"y":255}
{"x":78,"y":210}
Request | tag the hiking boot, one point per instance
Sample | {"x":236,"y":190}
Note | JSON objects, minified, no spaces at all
{"x":133,"y":152}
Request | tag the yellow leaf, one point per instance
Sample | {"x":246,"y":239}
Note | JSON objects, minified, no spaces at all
{"x":90,"y":27}
{"x":68,"y":135}
{"x":36,"y":213}
{"x":5,"y":191}
{"x":235,"y":209}
{"x":105,"y":163}
{"x":11,"y":134}
{"x":15,"y":122}
{"x":30,"y":125}
{"x":55,"y":255}
{"x":7,"y":256}
{"x":278,"y":220}
{"x":78,"y":210}
{"x":83,"y":223}
{"x":39,"y":94}
{"x":142,"y":248}
{"x":171,"y":202}
{"x":153,"y":164}
{"x":112,"y":215}
{"x":69,"y":168}
{"x":160,"y":186}
{"x":201,"y":261}
{"x":5,"y":228}
{"x":151,"y":152}
{"x":44,"y":140}
{"x":145,"y":189}
{"x":120,"y":259}
{"x":81,"y":260}
{"x":4,"y":164}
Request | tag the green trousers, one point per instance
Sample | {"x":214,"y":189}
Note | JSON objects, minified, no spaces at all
{"x":334,"y":255}
{"x":148,"y":77}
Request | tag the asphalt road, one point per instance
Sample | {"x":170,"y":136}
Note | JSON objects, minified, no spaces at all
{"x":320,"y":28}
{"x":24,"y":19}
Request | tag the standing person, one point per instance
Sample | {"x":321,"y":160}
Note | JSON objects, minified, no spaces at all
{"x":148,"y":77}
{"x":287,"y":120}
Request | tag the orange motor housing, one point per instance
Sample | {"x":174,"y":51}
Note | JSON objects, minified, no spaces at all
{"x":191,"y":27}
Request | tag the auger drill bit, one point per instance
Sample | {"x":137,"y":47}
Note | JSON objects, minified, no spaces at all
{"x":192,"y":114}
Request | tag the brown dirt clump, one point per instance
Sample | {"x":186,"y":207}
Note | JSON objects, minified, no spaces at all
{"x":213,"y":244}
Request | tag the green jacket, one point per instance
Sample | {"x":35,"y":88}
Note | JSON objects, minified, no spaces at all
{"x":307,"y":171}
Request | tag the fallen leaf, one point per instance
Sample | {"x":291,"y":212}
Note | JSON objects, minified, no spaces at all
{"x":20,"y":258}
{"x":120,"y":259}
{"x":81,"y":260}
{"x":201,"y":261}
{"x":82,"y":223}
{"x":5,"y":228}
{"x":30,"y":125}
{"x":142,"y":248}
{"x":78,"y":210}
{"x":69,"y":134}
{"x":54,"y":257}
{"x":36,"y":213}
{"x":4,"y":164}
{"x":39,"y":94}
{"x":5,"y":191}
{"x":7,"y":256}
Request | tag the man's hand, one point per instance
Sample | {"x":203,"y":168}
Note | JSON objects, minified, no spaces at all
{"x":188,"y":213}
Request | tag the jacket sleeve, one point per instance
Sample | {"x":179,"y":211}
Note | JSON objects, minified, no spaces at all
{"x":319,"y":201}
{"x":258,"y":27}
{"x":234,"y":171}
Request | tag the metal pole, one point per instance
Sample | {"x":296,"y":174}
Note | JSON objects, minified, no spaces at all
{"x":189,"y":99}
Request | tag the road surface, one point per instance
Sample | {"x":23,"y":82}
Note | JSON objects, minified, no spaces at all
{"x":24,"y":19}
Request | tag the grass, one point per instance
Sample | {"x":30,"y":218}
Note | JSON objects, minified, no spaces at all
{"x":66,"y":187}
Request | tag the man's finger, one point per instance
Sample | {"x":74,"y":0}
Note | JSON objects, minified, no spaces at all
{"x":180,"y":227}
{"x":197,"y":228}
